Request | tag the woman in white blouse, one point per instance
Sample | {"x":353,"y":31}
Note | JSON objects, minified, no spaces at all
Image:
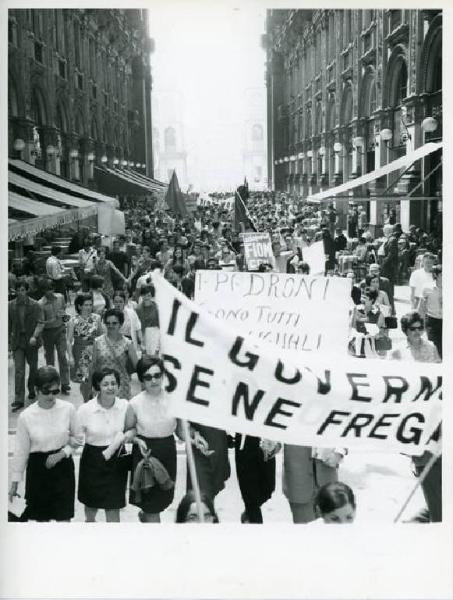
{"x":154,"y":432}
{"x":105,"y":423}
{"x":45,"y":438}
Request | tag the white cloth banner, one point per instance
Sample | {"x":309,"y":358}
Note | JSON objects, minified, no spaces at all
{"x":315,"y":257}
{"x":292,"y":311}
{"x":219,"y":378}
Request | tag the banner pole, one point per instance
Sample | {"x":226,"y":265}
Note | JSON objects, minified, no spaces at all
{"x":192,"y":469}
{"x":420,"y":479}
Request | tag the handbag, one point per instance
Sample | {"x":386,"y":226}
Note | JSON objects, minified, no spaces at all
{"x":391,"y":322}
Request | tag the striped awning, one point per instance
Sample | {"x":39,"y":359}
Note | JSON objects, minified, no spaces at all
{"x":38,"y":200}
{"x":126,"y":182}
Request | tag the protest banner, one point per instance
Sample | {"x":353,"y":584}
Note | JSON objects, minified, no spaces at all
{"x":315,"y":257}
{"x":257,"y":249}
{"x":220,"y":378}
{"x":294,"y":312}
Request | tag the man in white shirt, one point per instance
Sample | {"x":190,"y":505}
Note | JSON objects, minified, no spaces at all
{"x":56,"y":271}
{"x":421,"y":278}
{"x":87,"y":260}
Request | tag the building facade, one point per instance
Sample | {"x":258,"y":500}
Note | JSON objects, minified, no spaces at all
{"x":79,"y":90}
{"x":254,"y":138}
{"x":349,"y":91}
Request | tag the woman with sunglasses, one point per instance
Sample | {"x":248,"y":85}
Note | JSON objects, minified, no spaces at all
{"x":45,"y":438}
{"x":105,"y":422}
{"x":115,"y":351}
{"x":155,"y":430}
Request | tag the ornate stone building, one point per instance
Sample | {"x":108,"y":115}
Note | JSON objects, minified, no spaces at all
{"x":79,"y":90}
{"x":348,"y":92}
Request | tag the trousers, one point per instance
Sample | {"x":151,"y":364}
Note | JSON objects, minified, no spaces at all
{"x":30,"y":354}
{"x":55,"y":339}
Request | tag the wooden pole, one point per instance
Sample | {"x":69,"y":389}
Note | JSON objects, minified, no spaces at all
{"x":420,"y":479}
{"x":192,"y":469}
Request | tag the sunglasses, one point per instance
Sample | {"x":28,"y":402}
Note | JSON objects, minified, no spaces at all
{"x":416,"y":328}
{"x":54,"y":392}
{"x":149,"y":377}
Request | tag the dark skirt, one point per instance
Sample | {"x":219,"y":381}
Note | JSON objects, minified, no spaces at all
{"x":213,"y":470}
{"x":102,"y":483}
{"x":155,"y":500}
{"x":256,"y":477}
{"x":49,"y":493}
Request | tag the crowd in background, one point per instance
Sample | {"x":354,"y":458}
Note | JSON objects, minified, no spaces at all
{"x":111,"y":334}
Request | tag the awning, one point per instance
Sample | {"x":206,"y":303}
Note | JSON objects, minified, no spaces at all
{"x":125,"y":183}
{"x":37,"y":216}
{"x":158,"y":186}
{"x":43,"y":192}
{"x":55,"y":183}
{"x":400,"y":163}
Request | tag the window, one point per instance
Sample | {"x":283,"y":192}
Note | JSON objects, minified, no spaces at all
{"x":62,"y":68}
{"x":92,"y":54}
{"x":347,"y":27}
{"x":318,"y":53}
{"x":170,"y":139}
{"x":395,"y":19}
{"x":106,"y":99}
{"x":12,"y":32}
{"x":80,"y":81}
{"x":331,"y":38}
{"x":57,"y":29}
{"x":257,"y":133}
{"x":38,"y":51}
{"x":77,"y":44}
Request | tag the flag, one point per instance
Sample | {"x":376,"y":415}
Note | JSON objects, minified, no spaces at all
{"x":241,"y":214}
{"x":175,"y":198}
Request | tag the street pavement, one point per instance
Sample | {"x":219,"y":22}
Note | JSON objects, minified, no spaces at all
{"x":381,"y":482}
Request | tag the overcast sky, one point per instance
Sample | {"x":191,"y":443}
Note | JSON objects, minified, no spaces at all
{"x":211,"y":53}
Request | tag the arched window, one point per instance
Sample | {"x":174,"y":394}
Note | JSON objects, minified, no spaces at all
{"x":318,"y":123}
{"x":257,"y":133}
{"x":308,"y":125}
{"x":170,"y":139}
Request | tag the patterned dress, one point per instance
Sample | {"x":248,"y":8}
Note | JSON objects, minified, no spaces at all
{"x":113,"y":354}
{"x":85,"y":332}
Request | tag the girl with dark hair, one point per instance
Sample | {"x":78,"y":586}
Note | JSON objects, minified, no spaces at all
{"x":187,"y":510}
{"x":105,"y":268}
{"x":105,"y":422}
{"x":148,"y":314}
{"x":335,"y":503}
{"x":82,"y":330}
{"x":155,"y":430}
{"x":115,"y":351}
{"x":101,"y":301}
{"x":45,"y":438}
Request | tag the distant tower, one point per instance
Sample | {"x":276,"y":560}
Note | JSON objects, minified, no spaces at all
{"x":168,"y":136}
{"x":254,"y":138}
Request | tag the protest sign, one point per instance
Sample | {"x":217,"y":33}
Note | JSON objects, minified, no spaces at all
{"x":257,"y":249}
{"x":314,"y":255}
{"x":220,"y":378}
{"x":294,"y":312}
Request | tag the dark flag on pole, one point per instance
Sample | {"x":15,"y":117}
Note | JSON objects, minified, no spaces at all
{"x":241,"y":214}
{"x":175,"y":198}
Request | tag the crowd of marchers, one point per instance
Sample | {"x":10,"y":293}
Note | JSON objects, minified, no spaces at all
{"x":101,"y":319}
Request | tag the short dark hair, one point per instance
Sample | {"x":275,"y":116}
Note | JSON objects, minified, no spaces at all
{"x":45,"y":376}
{"x":120,"y":293}
{"x":304,"y":267}
{"x":99,"y":375}
{"x":146,"y":362}
{"x":147,"y":289}
{"x":409,"y":319}
{"x":113,"y":312}
{"x":80,"y":299}
{"x":332,"y":496}
{"x":21,"y":283}
{"x":186,"y":503}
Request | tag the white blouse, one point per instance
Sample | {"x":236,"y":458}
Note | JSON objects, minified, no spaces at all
{"x":153,"y":420}
{"x":43,"y":430}
{"x":100,"y":425}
